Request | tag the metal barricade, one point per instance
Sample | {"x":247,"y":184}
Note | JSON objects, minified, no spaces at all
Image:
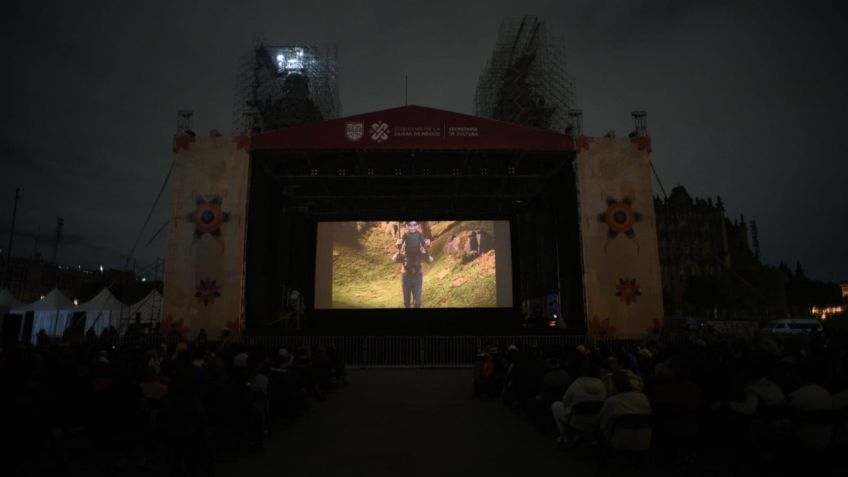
{"x":419,"y":351}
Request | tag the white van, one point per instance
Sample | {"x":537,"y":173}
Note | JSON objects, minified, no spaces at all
{"x":795,"y":325}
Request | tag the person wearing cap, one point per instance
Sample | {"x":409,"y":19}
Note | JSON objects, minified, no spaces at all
{"x":411,"y":250}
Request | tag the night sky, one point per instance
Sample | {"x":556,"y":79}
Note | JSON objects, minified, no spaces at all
{"x":746,"y":100}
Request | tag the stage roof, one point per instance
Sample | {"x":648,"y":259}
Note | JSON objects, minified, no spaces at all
{"x":412,"y":127}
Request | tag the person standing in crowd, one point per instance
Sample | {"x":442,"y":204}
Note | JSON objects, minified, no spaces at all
{"x":41,"y":339}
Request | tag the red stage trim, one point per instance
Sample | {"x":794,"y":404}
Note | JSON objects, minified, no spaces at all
{"x":643,"y":142}
{"x":583,"y":142}
{"x":412,"y":127}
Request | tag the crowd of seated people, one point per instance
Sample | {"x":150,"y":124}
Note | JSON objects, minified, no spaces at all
{"x":152,"y":408}
{"x":683,"y":400}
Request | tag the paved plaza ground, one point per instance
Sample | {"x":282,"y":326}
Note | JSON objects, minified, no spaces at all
{"x":409,"y":422}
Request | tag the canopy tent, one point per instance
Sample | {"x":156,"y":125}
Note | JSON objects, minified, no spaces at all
{"x":102,"y":311}
{"x":149,"y":308}
{"x":52,"y":314}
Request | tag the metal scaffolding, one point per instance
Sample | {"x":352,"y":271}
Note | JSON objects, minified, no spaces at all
{"x":525,"y":81}
{"x":285,"y":86}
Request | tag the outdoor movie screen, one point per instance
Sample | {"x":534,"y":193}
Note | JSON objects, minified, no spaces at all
{"x":413,"y":264}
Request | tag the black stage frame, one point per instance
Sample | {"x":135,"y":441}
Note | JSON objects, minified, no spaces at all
{"x":292,"y":190}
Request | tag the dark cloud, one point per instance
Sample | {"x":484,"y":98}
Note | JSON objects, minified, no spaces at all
{"x":744,"y":99}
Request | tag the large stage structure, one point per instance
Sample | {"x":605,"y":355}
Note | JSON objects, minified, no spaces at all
{"x":525,"y":81}
{"x":246,"y":209}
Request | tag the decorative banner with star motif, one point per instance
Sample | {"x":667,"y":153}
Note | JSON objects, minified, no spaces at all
{"x":204,"y":274}
{"x":621,"y":262}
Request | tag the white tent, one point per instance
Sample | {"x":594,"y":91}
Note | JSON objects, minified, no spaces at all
{"x":102,"y":311}
{"x":148,"y":308}
{"x":52,"y":314}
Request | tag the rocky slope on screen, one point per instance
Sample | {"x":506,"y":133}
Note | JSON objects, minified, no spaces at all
{"x":461,"y":275}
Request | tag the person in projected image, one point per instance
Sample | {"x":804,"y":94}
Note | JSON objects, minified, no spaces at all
{"x":412,"y":250}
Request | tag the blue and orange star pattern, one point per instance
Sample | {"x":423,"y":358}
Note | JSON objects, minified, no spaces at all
{"x":208,"y":217}
{"x":620,"y":219}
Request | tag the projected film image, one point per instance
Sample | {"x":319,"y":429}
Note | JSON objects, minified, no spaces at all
{"x":413,"y":264}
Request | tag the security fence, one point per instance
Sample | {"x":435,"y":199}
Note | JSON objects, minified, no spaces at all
{"x":396,"y":351}
{"x":414,"y":351}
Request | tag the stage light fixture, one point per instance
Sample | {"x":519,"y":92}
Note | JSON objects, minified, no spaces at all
{"x":289,"y":60}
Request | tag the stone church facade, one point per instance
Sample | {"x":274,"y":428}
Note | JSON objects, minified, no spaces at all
{"x":696,"y":238}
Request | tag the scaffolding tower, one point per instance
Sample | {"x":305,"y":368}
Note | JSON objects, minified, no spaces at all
{"x":285,"y":86}
{"x":525,"y":81}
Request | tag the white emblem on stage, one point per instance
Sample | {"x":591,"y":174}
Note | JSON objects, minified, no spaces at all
{"x":354,"y":131}
{"x":379,"y":131}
